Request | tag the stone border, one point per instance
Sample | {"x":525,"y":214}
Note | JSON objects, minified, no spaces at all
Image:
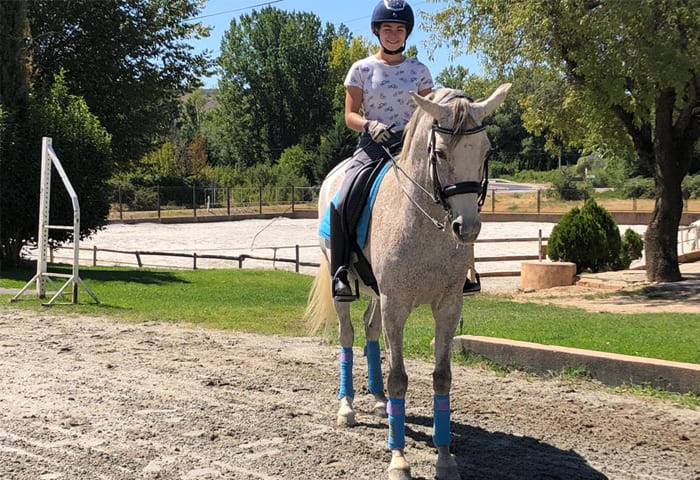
{"x":610,"y":368}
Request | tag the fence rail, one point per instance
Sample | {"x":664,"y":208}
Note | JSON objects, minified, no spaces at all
{"x":138,"y":256}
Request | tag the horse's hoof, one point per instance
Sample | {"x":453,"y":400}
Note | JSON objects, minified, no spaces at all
{"x":379,"y":410}
{"x":346,"y":414}
{"x":347,"y":420}
{"x":447,"y":473}
{"x":399,"y":468}
{"x":400,"y":474}
{"x":446,"y":466}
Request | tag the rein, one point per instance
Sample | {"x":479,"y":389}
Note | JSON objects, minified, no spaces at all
{"x":441,"y":193}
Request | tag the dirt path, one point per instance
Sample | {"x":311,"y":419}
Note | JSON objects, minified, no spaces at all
{"x":86,"y":398}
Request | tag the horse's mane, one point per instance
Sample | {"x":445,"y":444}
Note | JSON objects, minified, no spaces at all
{"x":460,"y":112}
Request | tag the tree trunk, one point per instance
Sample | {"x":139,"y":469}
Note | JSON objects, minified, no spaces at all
{"x":661,"y":237}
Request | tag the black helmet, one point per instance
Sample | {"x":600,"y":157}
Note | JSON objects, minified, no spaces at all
{"x":396,"y":11}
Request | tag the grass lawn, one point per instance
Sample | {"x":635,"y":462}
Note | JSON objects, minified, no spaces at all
{"x":273,"y":302}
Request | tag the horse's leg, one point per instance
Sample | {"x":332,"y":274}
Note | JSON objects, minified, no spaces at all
{"x":375,"y":383}
{"x":346,"y":394}
{"x":446,"y":319}
{"x":394,"y":317}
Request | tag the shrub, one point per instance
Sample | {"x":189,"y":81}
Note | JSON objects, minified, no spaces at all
{"x":638,"y":187}
{"x":590,"y":238}
{"x":565,"y":187}
{"x":691,"y":187}
{"x":630,"y":250}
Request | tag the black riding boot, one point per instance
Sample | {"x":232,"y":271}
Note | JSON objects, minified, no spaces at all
{"x":342,"y":291}
{"x":470,"y":288}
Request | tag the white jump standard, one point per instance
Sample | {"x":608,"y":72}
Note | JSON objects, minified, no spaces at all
{"x":49,"y":159}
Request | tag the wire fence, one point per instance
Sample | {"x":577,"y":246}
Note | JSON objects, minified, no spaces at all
{"x":136,"y":202}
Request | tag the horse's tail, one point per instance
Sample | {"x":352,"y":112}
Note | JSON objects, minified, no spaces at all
{"x":319,"y":308}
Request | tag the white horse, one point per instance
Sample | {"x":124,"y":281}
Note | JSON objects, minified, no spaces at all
{"x":440,"y":173}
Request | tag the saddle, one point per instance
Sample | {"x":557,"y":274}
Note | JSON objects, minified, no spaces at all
{"x":350,"y":212}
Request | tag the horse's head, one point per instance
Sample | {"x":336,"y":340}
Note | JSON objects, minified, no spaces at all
{"x":458,"y":149}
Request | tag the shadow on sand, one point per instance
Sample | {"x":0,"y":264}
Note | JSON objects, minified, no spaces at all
{"x":484,"y":455}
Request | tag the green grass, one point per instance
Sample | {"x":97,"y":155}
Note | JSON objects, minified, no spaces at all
{"x":273,"y":302}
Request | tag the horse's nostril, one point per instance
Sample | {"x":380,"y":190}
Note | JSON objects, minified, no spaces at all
{"x":457,"y":226}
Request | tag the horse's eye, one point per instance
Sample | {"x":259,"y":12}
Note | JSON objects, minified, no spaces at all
{"x":441,"y":154}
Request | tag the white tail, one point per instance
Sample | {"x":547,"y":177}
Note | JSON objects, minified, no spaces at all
{"x":319,"y":308}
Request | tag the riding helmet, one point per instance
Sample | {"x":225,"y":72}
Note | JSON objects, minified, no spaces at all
{"x":396,"y":11}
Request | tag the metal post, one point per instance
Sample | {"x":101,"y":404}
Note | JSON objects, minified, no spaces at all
{"x":228,"y":201}
{"x":44,"y":205}
{"x":296,"y":247}
{"x":158,"y":198}
{"x":260,"y":188}
{"x":539,"y":200}
{"x":293,"y":200}
{"x":94,"y":255}
{"x":194,"y":261}
{"x":493,"y":200}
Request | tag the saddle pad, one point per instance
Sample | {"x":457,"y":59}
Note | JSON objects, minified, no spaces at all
{"x":324,"y":228}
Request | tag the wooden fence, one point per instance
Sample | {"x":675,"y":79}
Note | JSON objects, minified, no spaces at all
{"x":139,"y":255}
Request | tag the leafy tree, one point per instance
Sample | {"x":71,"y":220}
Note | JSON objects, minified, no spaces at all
{"x":14,"y":102}
{"x":193,"y":158}
{"x":83,"y":146}
{"x":129,"y":60}
{"x":273,"y":87}
{"x":617,"y":76}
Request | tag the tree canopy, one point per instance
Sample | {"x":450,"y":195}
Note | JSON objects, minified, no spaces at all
{"x":615,"y":76}
{"x":129,"y":60}
{"x":274,"y":88}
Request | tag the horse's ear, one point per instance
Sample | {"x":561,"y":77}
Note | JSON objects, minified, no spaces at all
{"x":484,"y":108}
{"x":441,"y":113}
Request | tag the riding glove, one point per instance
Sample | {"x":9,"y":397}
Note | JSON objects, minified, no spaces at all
{"x":379,"y":132}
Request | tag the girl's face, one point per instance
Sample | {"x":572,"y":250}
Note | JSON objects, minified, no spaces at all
{"x":392,"y":36}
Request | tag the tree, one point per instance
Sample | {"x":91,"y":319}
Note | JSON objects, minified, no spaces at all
{"x":619,"y":76}
{"x":14,"y":102}
{"x":83,"y":146}
{"x":129,"y":60}
{"x":273,"y":87}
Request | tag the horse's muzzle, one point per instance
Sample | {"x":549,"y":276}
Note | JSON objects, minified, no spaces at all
{"x":465,"y":233}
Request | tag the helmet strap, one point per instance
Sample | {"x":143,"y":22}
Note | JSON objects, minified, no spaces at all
{"x":394,"y":52}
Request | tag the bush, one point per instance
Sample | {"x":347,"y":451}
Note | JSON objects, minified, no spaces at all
{"x":638,"y":187}
{"x":691,"y":187}
{"x":565,"y":187}
{"x":631,"y":249}
{"x":590,"y":238}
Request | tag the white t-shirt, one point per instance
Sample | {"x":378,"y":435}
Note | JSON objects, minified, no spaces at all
{"x":385,"y":88}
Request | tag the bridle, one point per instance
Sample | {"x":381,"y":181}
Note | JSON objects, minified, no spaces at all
{"x":441,"y":193}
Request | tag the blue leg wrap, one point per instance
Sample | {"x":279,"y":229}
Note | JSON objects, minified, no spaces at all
{"x":441,"y":420}
{"x":396,"y":409}
{"x":346,"y":389}
{"x":374,"y":368}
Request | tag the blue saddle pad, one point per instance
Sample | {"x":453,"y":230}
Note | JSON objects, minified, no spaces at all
{"x":324,"y":228}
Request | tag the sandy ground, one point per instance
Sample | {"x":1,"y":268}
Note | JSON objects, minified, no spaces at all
{"x":90,"y":398}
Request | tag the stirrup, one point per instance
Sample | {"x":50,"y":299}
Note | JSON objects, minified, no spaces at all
{"x":342,"y":291}
{"x":472,"y":288}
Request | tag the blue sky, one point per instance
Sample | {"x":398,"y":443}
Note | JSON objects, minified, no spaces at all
{"x":355,"y":14}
